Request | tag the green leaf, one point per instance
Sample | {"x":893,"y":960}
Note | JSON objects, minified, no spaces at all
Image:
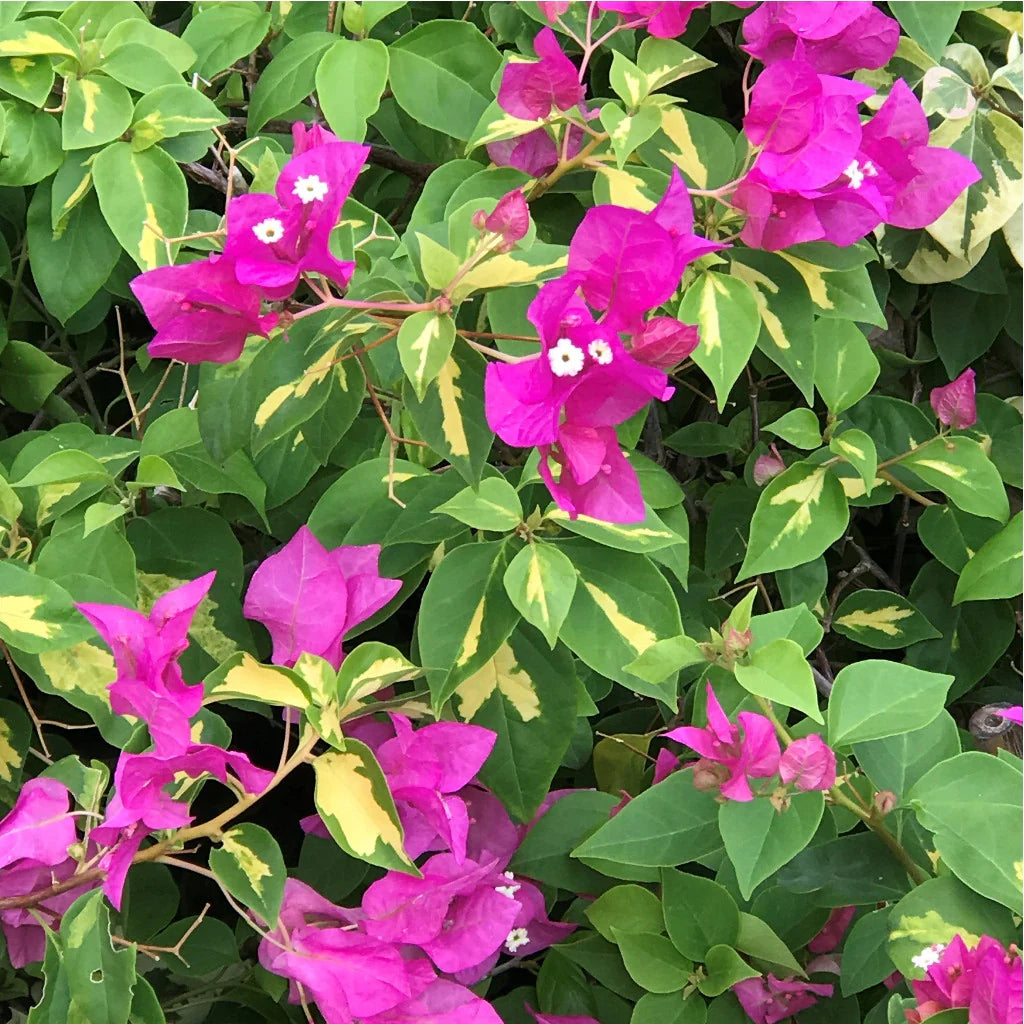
{"x":170,"y":111}
{"x":525,"y":695}
{"x":669,"y":1008}
{"x":465,"y":616}
{"x":139,"y":67}
{"x":71,"y":266}
{"x":441,"y":75}
{"x":249,"y":864}
{"x":757,"y":939}
{"x":35,"y":36}
{"x":221,"y":35}
{"x":652,"y":961}
{"x":726,"y":311}
{"x":65,"y":466}
{"x":355,"y":804}
{"x":144,"y":199}
{"x":663,"y":61}
{"x":36,"y":614}
{"x":97,"y":111}
{"x":100,"y":975}
{"x":779,"y":672}
{"x":669,"y":824}
{"x":451,"y":417}
{"x":666,"y":657}
{"x":858,"y":450}
{"x":960,"y":469}
{"x":622,"y":606}
{"x":796,"y":623}
{"x":369,"y":668}
{"x":699,"y":913}
{"x":881,"y":619}
{"x":627,"y":132}
{"x":541,"y":581}
{"x":865,"y":954}
{"x":845,"y":367}
{"x":852,"y":870}
{"x":799,"y":427}
{"x":242,"y":677}
{"x":897,"y":762}
{"x":875,"y":699}
{"x":798,"y":515}
{"x":928,"y":22}
{"x":972,"y":802}
{"x":27,"y":78}
{"x":626,"y":908}
{"x":702,"y":439}
{"x":995,"y":571}
{"x":28,"y":376}
{"x":350,"y":79}
{"x":759,"y":840}
{"x":288,"y":79}
{"x":425,"y":343}
{"x":840,"y":294}
{"x":724,"y":968}
{"x":953,"y":536}
{"x":651,"y":534}
{"x":210,"y":946}
{"x":30,"y":150}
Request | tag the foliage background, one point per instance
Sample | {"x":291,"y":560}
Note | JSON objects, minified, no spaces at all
{"x":121,"y":476}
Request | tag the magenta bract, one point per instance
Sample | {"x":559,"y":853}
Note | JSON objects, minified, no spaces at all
{"x":954,"y":403}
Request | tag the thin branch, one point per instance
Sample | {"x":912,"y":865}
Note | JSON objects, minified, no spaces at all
{"x":36,"y":721}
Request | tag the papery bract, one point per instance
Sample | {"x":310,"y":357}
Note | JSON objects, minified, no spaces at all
{"x":200,"y":311}
{"x":663,"y":18}
{"x":769,"y":1000}
{"x":535,"y":153}
{"x":531,"y":91}
{"x":809,"y":763}
{"x":510,"y":218}
{"x":274,"y":240}
{"x":149,"y":683}
{"x":835,"y":38}
{"x":833,"y":930}
{"x":954,"y":403}
{"x":305,"y":138}
{"x":309,"y":597}
{"x":664,"y":342}
{"x":442,"y":1002}
{"x":39,"y":827}
{"x":748,"y":749}
{"x":767,"y":466}
{"x":547,"y":1018}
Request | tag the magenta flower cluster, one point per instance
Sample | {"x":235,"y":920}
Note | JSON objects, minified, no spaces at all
{"x":601,"y":361}
{"x":733,"y":754}
{"x":204,"y":311}
{"x":414,"y":944}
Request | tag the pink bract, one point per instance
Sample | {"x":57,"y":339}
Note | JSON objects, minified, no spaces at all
{"x":531,"y":91}
{"x":748,"y":749}
{"x":769,"y":1000}
{"x":954,"y":403}
{"x":809,"y":763}
{"x":309,"y":597}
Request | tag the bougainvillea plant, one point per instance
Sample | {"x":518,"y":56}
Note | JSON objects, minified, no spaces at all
{"x":510,"y":513}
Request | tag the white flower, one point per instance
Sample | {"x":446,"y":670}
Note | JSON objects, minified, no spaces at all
{"x":516,"y":938}
{"x":565,"y":358}
{"x":870,"y":169}
{"x":269,"y":231}
{"x":928,"y":957}
{"x":310,"y":188}
{"x":600,"y":352}
{"x":855,"y":174}
{"x":508,"y":890}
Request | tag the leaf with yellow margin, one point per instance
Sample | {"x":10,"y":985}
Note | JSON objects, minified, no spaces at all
{"x":355,"y":804}
{"x":241,"y":677}
{"x":368,"y":668}
{"x":249,"y":864}
{"x":37,"y":614}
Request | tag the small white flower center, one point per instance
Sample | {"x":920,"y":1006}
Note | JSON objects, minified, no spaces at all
{"x":928,"y":957}
{"x":855,"y":174}
{"x":269,"y":231}
{"x":565,"y":358}
{"x":516,"y":938}
{"x":600,"y":352}
{"x":310,"y":188}
{"x":870,"y":169}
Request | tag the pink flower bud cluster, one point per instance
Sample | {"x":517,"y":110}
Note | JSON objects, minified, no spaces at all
{"x":733,"y":754}
{"x":594,"y":372}
{"x":204,"y":311}
{"x":414,"y":944}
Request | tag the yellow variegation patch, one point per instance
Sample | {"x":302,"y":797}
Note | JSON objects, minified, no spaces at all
{"x":882,"y":620}
{"x":253,"y":681}
{"x":624,"y":189}
{"x":805,"y":494}
{"x":82,"y":667}
{"x":10,"y":759}
{"x":504,"y":674}
{"x":20,"y":614}
{"x":254,"y":869}
{"x":450,"y":394}
{"x":203,"y":630}
{"x":636,"y":634}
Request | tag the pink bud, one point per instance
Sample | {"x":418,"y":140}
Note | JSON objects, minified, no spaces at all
{"x":737,"y":643}
{"x":664,"y":342}
{"x":480,"y":220}
{"x":832,"y":933}
{"x":884,"y":801}
{"x":664,"y":765}
{"x":510,"y":218}
{"x":954,"y":404}
{"x":809,"y":763}
{"x":768,"y":465}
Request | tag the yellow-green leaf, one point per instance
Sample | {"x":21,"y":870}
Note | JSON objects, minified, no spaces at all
{"x":241,"y":677}
{"x":425,"y":342}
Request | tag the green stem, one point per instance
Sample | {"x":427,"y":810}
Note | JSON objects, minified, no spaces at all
{"x":565,"y":166}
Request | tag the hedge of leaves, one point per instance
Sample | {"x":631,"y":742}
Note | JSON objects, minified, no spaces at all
{"x":510,"y":512}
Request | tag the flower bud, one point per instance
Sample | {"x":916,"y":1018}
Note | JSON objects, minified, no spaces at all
{"x":510,"y":218}
{"x":884,"y":801}
{"x":480,"y":220}
{"x":767,"y":466}
{"x":664,"y":342}
{"x":809,"y":763}
{"x":736,"y":644}
{"x":708,"y":776}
